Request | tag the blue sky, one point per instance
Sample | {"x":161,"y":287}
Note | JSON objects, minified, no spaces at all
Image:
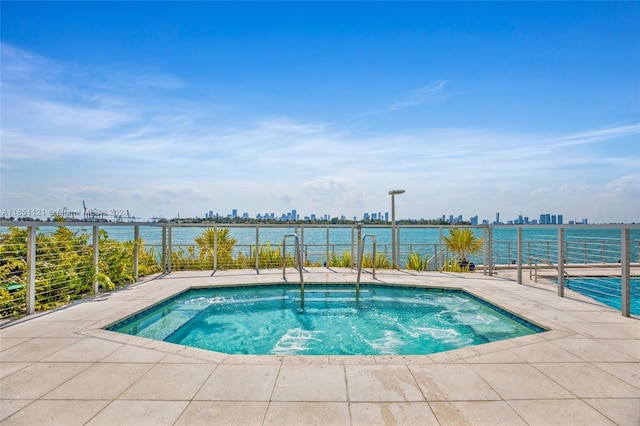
{"x":166,"y":108}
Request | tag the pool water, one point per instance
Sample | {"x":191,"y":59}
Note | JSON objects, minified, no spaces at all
{"x":269,"y":320}
{"x":607,"y":290}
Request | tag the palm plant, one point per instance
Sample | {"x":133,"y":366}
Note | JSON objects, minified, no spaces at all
{"x":221,"y":239}
{"x":463,"y":242}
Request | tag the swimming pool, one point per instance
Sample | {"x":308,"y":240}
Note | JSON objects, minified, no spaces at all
{"x":607,"y":290}
{"x":385,"y":320}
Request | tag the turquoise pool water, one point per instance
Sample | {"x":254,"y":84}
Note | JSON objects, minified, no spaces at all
{"x":268,"y":320}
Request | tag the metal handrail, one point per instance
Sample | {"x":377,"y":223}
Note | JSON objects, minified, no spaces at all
{"x":545,"y":262}
{"x":297,"y":256}
{"x":437,"y":259}
{"x":361,"y":256}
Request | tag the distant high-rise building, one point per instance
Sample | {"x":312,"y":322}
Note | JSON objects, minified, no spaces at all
{"x":474,"y":220}
{"x":497,"y":218}
{"x":560,"y":219}
{"x":386,"y":216}
{"x":234,"y":213}
{"x":553,"y":219}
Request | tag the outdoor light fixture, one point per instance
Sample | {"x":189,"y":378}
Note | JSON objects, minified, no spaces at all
{"x":394,"y":250}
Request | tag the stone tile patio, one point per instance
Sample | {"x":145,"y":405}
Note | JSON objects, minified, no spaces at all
{"x":62,"y":368}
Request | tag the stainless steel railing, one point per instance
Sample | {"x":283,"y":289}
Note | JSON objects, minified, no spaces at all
{"x":298,"y":257}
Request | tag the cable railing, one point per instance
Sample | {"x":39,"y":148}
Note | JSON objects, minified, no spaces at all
{"x":73,"y":259}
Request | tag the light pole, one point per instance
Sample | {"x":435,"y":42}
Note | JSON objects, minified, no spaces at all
{"x":394,"y":253}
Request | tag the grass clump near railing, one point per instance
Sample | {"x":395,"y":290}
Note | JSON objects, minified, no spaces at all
{"x":268,"y":257}
{"x":341,"y":261}
{"x":416,"y":262}
{"x":64,"y":269}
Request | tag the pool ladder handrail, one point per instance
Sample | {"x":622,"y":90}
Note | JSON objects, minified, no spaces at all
{"x":297,"y":256}
{"x":360,"y":258}
{"x":533,"y":265}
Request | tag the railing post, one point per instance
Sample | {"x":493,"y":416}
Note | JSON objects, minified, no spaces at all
{"x":136,"y":250}
{"x":215,"y":247}
{"x":438,"y":266}
{"x":257,"y":248}
{"x":328,"y":261}
{"x":561,"y":262}
{"x":96,"y":254}
{"x":352,"y":245}
{"x":170,"y":249}
{"x":625,"y":273}
{"x":284,"y":258}
{"x":31,"y":268}
{"x":398,"y":247}
{"x":164,"y":249}
{"x":490,"y":250}
{"x":519,"y":255}
{"x":359,"y":239}
{"x":301,"y":242}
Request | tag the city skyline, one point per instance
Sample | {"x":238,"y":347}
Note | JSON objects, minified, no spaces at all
{"x":292,"y":216}
{"x":169,"y":108}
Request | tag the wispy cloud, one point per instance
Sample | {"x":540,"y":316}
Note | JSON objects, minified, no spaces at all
{"x":430,"y":93}
{"x":160,"y":154}
{"x":592,"y":136}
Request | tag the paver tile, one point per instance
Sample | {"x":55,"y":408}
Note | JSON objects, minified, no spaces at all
{"x":84,"y":350}
{"x":558,"y":412}
{"x":231,"y":382}
{"x":37,"y":349}
{"x":545,"y":352}
{"x":227,"y":413}
{"x":100,"y":381}
{"x":382,"y":383}
{"x":10,"y":406}
{"x":51,"y":413}
{"x":139,"y":413}
{"x":310,"y":383}
{"x":590,"y":350}
{"x":476,"y":413}
{"x":624,"y":346}
{"x":449,"y":382}
{"x":588,"y":381}
{"x":392,"y":413}
{"x":8,"y":368}
{"x":8,"y":342}
{"x":307,"y":413}
{"x":621,"y":411}
{"x":37,"y":379}
{"x":133,"y":354}
{"x":626,"y":371}
{"x":169,"y":382}
{"x":520,"y":381}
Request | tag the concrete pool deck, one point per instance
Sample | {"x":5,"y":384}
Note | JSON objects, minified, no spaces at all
{"x":62,"y":368}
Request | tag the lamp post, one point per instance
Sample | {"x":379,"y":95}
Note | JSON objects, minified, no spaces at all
{"x":394,"y":252}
